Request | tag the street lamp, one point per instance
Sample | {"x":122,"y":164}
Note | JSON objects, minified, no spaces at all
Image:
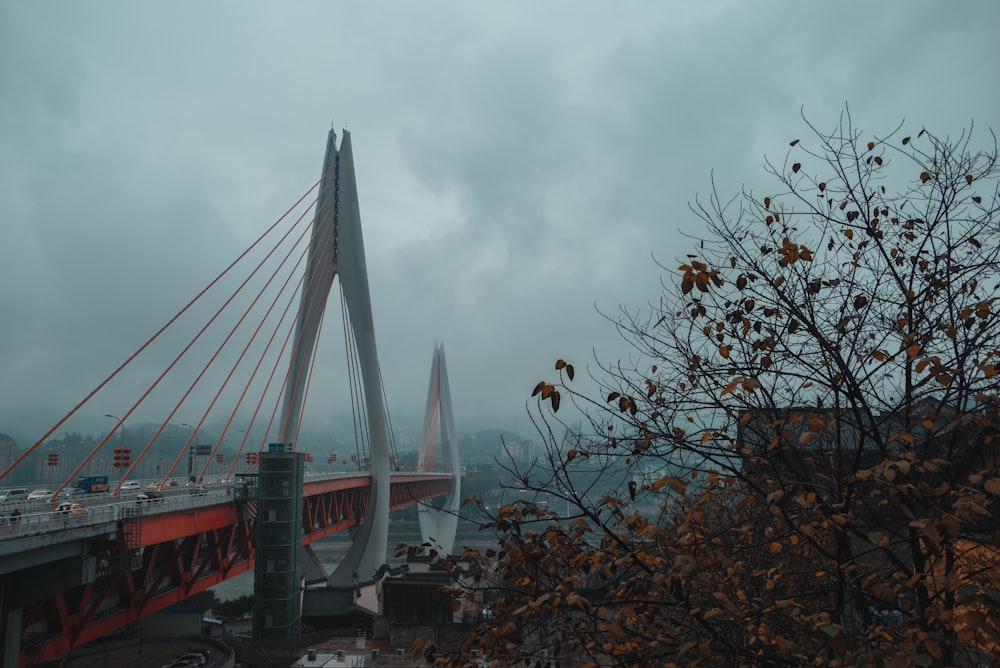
{"x":191,"y":447}
{"x":121,"y":423}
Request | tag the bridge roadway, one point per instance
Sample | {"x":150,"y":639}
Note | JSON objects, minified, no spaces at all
{"x":68,"y":580}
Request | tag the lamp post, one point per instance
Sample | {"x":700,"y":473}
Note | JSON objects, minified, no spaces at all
{"x":191,"y":447}
{"x":121,"y":423}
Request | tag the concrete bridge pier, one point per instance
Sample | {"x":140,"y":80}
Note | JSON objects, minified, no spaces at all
{"x":10,"y":625}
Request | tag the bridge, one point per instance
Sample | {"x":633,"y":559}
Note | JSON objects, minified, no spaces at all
{"x":70,"y":577}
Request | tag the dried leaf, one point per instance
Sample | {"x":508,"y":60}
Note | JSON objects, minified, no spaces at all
{"x":793,"y":142}
{"x":924,"y":177}
{"x":796,"y":167}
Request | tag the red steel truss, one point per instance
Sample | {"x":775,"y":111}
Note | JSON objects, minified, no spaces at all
{"x":157,"y":561}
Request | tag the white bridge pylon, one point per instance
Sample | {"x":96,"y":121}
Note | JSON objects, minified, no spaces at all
{"x":439,"y":524}
{"x":337,"y":249}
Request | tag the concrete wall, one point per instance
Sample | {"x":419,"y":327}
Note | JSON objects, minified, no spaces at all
{"x":445,"y":635}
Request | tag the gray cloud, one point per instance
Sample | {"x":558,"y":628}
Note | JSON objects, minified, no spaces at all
{"x":517,"y":164}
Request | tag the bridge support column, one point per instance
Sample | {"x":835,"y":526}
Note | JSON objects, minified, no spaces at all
{"x":278,"y":569}
{"x":10,"y":625}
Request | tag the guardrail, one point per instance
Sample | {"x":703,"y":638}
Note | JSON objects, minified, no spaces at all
{"x":36,"y":517}
{"x":43,"y":518}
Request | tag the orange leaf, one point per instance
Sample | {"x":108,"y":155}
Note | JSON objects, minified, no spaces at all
{"x":676,"y":484}
{"x":724,"y":351}
{"x":924,"y":177}
{"x":992,"y":486}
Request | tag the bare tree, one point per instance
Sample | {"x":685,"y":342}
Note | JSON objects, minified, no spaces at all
{"x":803,"y":439}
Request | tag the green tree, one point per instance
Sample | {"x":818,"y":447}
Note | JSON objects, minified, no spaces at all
{"x":806,"y":434}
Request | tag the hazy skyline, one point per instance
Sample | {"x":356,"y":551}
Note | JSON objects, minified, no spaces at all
{"x":519,"y":165}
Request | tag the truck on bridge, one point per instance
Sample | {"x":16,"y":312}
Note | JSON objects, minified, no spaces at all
{"x":92,"y":483}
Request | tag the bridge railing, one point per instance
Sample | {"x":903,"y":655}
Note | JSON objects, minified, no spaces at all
{"x":40,"y":517}
{"x":48,"y":520}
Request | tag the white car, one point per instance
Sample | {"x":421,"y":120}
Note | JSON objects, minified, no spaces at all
{"x":130,"y":485}
{"x":13,"y":494}
{"x":40,"y":494}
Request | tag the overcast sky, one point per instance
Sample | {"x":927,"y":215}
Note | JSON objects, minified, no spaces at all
{"x":519,"y":164}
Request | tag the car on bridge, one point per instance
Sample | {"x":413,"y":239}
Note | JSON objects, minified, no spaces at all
{"x":67,"y":509}
{"x":70,"y":492}
{"x":13,"y":494}
{"x":149,"y":496}
{"x":40,"y":494}
{"x":130,"y":485}
{"x":161,"y":485}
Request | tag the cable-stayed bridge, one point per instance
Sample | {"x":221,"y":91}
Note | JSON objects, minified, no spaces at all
{"x":242,"y":356}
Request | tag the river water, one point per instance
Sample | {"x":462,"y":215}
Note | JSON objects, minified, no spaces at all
{"x":331,"y":550}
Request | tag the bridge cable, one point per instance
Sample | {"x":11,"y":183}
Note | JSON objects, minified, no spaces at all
{"x":212,"y":359}
{"x":358,"y":403}
{"x":232,"y":414}
{"x":148,"y":342}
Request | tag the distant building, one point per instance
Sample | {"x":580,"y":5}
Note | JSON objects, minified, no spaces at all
{"x":8,"y":451}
